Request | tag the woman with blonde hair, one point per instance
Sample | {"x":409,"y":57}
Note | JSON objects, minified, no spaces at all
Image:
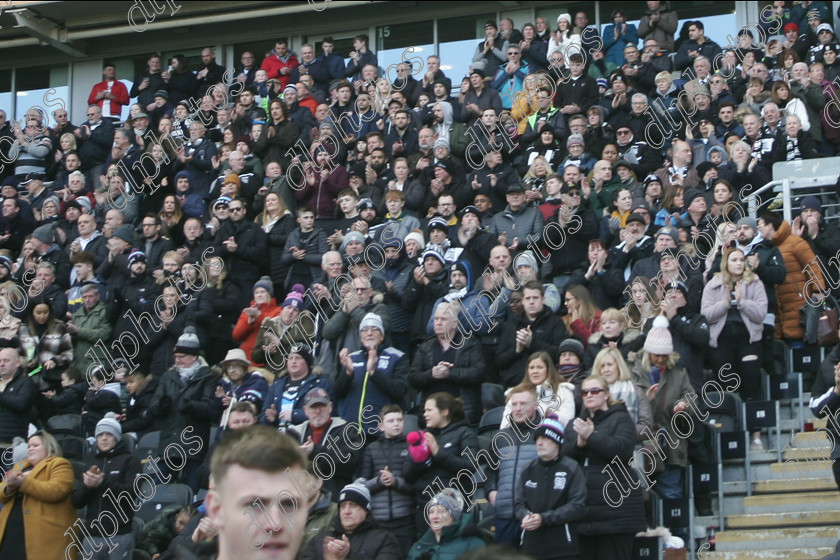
{"x":553,"y":394}
{"x":277,"y":222}
{"x":612,"y":334}
{"x":611,"y":366}
{"x":534,"y":180}
{"x":735,"y":304}
{"x":37,"y":509}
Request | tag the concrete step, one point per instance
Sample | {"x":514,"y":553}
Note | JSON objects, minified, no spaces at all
{"x":807,"y":553}
{"x":811,"y":440}
{"x":800,"y":466}
{"x":801,"y":485}
{"x":806,"y":453}
{"x":785,"y":519}
{"x":790,"y":503}
{"x":774,"y":539}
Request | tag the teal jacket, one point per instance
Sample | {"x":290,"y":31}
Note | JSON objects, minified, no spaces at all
{"x":455,"y":541}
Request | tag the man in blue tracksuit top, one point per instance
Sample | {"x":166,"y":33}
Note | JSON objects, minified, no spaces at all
{"x":371,"y":377}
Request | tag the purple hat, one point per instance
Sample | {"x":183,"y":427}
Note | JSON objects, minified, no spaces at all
{"x":295,"y":297}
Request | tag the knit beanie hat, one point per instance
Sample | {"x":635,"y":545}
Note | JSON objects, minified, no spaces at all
{"x":295,"y":297}
{"x":136,"y":255}
{"x":353,"y":236}
{"x":266,"y":284}
{"x":304,"y":351}
{"x":356,"y":492}
{"x":109,"y":424}
{"x":372,"y":320}
{"x":188,"y":342}
{"x":417,"y":237}
{"x":747,"y":221}
{"x":526,"y":258}
{"x":572,"y":345}
{"x":659,"y":339}
{"x":551,"y":428}
{"x":451,"y":500}
{"x":44,"y":234}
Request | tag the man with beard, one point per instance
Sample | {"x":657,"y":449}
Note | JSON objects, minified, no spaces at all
{"x":486,"y":135}
{"x":446,"y":128}
{"x":424,"y":156}
{"x":363,"y":118}
{"x":211,"y":73}
{"x":400,"y":140}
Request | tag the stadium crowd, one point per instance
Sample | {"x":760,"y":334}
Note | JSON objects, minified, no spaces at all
{"x":307,"y":245}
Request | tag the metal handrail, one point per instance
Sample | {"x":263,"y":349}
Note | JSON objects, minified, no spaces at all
{"x":787,"y":190}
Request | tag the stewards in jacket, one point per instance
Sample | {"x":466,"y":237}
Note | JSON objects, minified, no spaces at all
{"x":551,"y":498}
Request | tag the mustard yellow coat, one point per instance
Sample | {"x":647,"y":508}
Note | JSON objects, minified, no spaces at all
{"x":47,"y":510}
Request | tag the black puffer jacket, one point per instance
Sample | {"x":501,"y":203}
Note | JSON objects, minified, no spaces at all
{"x":368,"y":541}
{"x":120,"y":468}
{"x":246,"y":263}
{"x":180,"y":404}
{"x":464,"y":379}
{"x":614,"y":437}
{"x":450,"y":459}
{"x":388,"y":503}
{"x":276,"y":239}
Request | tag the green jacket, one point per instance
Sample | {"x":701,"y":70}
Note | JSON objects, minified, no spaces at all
{"x":320,"y":516}
{"x":93,"y":327}
{"x":455,"y":541}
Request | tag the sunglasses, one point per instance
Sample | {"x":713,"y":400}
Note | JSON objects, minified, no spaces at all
{"x":586,"y":392}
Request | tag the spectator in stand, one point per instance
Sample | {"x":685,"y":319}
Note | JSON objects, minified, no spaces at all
{"x":284,"y":403}
{"x":735,"y":324}
{"x":262,"y":307}
{"x":382,"y":467}
{"x":37,"y":505}
{"x":450,"y":442}
{"x":668,"y":390}
{"x":112,"y":468}
{"x":659,"y":23}
{"x":536,"y":329}
{"x":583,"y":319}
{"x":210,"y":74}
{"x":181,"y":83}
{"x":554,"y":395}
{"x":603,"y":432}
{"x":452,"y":531}
{"x":19,"y":395}
{"x":237,"y":384}
{"x":548,"y":511}
{"x":612,"y":367}
{"x":825,"y":401}
{"x":452,"y":362}
{"x":804,"y":284}
{"x":110,"y":94}
{"x":697,"y":45}
{"x":323,"y":433}
{"x":360,"y":57}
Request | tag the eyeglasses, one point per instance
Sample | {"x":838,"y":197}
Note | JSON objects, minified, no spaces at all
{"x":586,"y":392}
{"x":237,"y":209}
{"x":222,"y":207}
{"x":573,"y":193}
{"x":623,"y":132}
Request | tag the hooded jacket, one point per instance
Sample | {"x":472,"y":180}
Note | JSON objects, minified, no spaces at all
{"x":192,"y":204}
